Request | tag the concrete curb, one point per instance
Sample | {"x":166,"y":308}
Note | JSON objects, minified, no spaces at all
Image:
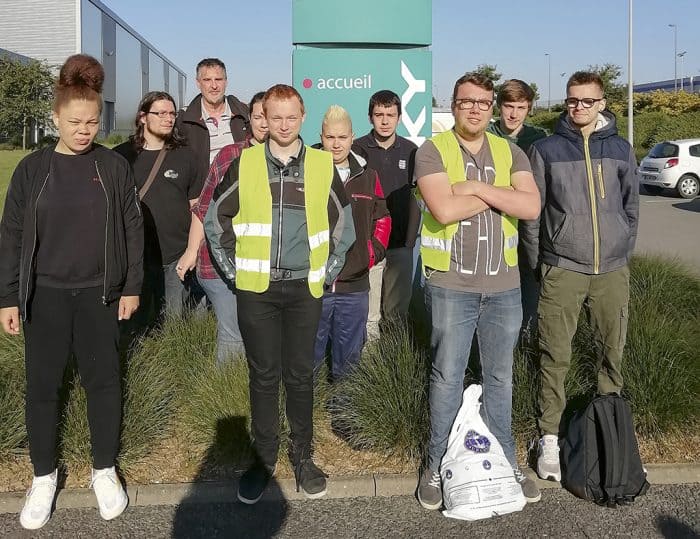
{"x":338,"y":487}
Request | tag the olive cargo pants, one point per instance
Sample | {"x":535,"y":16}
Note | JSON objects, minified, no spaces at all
{"x":562,"y":294}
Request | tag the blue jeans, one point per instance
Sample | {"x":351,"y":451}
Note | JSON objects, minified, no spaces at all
{"x":229,"y":342}
{"x":455,"y":317}
{"x":344,"y":322}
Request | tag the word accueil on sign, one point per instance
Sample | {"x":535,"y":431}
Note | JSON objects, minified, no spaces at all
{"x":340,"y":83}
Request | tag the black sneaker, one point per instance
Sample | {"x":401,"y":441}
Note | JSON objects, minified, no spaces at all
{"x":310,"y":478}
{"x":253,"y":482}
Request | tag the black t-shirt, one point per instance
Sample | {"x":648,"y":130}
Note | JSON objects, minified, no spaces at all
{"x":71,"y":220}
{"x":166,"y":207}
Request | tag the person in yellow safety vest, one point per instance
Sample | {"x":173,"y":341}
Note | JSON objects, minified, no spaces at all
{"x":279,"y":226}
{"x":472,"y":188}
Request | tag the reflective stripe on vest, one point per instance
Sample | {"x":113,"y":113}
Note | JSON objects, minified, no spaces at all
{"x":253,"y":222}
{"x":436,"y":239}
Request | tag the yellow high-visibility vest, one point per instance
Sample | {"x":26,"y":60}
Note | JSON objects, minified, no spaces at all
{"x":436,"y":239}
{"x":253,"y":222}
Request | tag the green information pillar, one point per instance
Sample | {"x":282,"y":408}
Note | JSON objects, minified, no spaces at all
{"x":346,"y":51}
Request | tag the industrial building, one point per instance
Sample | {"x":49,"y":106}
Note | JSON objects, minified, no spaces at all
{"x":52,"y":30}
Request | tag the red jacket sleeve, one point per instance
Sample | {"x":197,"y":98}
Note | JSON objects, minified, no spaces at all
{"x":382,"y":226}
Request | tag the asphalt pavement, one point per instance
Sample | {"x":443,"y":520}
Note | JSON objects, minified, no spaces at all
{"x":666,"y":511}
{"x":670,"y":226}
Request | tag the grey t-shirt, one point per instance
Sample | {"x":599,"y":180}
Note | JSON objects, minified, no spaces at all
{"x":476,"y":262}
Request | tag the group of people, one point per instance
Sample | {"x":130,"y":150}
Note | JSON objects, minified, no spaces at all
{"x":303,"y":252}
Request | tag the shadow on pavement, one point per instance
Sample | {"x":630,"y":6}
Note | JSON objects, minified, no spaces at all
{"x":671,"y":527}
{"x":209,"y":512}
{"x":689,"y":205}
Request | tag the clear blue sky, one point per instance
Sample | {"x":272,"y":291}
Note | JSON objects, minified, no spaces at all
{"x":253,"y":38}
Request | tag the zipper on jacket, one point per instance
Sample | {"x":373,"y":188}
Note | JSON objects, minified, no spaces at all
{"x":31,"y":258}
{"x":279,"y":223}
{"x":104,"y":285}
{"x":601,"y":181}
{"x":594,"y":209}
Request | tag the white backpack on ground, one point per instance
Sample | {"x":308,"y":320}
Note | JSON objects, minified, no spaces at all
{"x":477,"y":479}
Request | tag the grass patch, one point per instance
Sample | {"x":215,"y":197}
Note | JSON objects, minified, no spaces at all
{"x":8,"y":163}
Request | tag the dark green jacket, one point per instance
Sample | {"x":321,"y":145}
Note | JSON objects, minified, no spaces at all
{"x":525,"y":137}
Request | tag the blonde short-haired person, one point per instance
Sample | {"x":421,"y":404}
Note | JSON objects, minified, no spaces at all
{"x":345,"y":303}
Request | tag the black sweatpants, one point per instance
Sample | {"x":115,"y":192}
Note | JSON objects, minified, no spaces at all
{"x":62,"y":321}
{"x":279,"y":329}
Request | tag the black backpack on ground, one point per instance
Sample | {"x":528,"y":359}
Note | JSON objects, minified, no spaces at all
{"x":600,"y":455}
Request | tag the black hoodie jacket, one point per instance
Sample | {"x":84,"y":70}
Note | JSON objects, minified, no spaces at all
{"x":18,"y":228}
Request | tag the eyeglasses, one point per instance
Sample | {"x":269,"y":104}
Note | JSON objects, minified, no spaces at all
{"x":586,"y":102}
{"x":469,"y":104}
{"x":163,"y":114}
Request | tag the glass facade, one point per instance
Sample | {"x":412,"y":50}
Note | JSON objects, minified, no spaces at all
{"x":156,"y":79}
{"x":91,"y":24}
{"x":172,"y":86}
{"x":128,"y":79}
{"x":131,"y":67}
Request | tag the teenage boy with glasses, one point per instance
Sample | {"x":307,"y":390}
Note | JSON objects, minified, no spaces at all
{"x":473,"y":186}
{"x":580,"y":247}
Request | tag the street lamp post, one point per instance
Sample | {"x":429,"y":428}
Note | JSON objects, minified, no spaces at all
{"x":630,"y":83}
{"x":549,"y":81}
{"x":681,"y":55}
{"x":675,"y":56}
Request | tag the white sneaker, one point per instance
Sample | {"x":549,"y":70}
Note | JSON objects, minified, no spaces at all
{"x":548,"y":458}
{"x":111,"y":498}
{"x":37,"y":509}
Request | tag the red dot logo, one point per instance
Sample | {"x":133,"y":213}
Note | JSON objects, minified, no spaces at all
{"x":308,"y":83}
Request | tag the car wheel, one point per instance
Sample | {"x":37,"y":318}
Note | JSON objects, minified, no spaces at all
{"x":653,"y":189}
{"x":688,"y":186}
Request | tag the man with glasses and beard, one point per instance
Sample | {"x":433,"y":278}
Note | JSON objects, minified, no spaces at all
{"x":580,"y":247}
{"x":167,"y":177}
{"x":473,"y":186}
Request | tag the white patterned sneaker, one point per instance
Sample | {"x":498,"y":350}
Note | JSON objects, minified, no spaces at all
{"x":111,"y":498}
{"x":40,"y":496}
{"x":548,"y":466}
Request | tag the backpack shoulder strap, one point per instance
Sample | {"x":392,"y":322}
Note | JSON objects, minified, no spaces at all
{"x":612,"y":462}
{"x":625,"y":430}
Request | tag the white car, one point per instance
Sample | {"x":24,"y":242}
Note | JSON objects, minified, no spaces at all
{"x":673,"y":164}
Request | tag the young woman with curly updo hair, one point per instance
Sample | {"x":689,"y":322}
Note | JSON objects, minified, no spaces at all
{"x":71,"y":249}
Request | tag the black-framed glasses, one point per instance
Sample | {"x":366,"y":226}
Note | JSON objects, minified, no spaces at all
{"x":468,"y":104}
{"x":586,"y":102}
{"x":163,"y":114}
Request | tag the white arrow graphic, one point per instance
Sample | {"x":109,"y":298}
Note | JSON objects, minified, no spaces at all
{"x":415,"y":86}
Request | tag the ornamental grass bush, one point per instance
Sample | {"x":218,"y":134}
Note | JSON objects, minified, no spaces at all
{"x":13,"y":436}
{"x":172,"y":386}
{"x":385,"y":404}
{"x":382,"y":404}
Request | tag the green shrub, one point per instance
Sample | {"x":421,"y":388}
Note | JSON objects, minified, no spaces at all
{"x":383,"y":403}
{"x":544,"y":119}
{"x":215,"y":410}
{"x":661,"y":368}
